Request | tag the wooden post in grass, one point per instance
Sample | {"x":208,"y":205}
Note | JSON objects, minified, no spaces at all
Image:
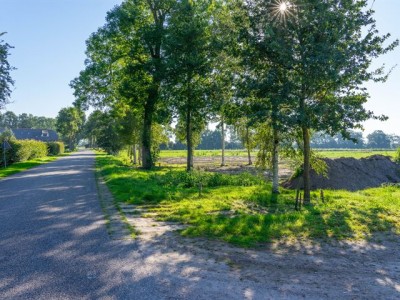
{"x":200,"y":189}
{"x":322,"y":195}
{"x":300,"y":200}
{"x":297,"y":199}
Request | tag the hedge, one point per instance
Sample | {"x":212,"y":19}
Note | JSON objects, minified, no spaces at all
{"x":55,"y":148}
{"x":23,"y":150}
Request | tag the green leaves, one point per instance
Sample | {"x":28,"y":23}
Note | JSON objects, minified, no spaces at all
{"x":6,"y":82}
{"x":69,"y":124}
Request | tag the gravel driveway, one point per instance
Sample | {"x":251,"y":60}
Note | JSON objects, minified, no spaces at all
{"x":54,"y":245}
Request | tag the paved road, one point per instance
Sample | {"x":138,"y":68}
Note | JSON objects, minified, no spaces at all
{"x":53,"y":242}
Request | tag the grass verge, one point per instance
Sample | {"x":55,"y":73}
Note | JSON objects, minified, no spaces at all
{"x":22,"y":166}
{"x":241,"y":210}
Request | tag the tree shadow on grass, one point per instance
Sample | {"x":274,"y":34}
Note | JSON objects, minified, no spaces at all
{"x":276,"y":219}
{"x":314,"y":222}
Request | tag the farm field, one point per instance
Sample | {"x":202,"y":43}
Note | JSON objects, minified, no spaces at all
{"x":240,"y":208}
{"x":237,"y":160}
{"x":331,"y":153}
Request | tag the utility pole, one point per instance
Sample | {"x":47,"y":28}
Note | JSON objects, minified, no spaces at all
{"x":6,"y":146}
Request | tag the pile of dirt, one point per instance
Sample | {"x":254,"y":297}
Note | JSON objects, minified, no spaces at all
{"x":353,"y":174}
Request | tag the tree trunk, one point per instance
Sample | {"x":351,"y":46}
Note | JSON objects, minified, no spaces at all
{"x":134,"y":154}
{"x":306,"y":161}
{"x":130,"y":153}
{"x":149,"y":108}
{"x":275,"y":162}
{"x":189,"y":140}
{"x":139,"y":156}
{"x":248,"y":145}
{"x":71,"y":145}
{"x":222,"y":142}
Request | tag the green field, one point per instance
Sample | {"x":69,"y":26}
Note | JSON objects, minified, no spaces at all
{"x":355,"y":153}
{"x":243,"y":153}
{"x":240,"y":208}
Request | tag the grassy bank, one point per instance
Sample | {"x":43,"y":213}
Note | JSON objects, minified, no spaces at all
{"x":22,"y":166}
{"x":241,"y":210}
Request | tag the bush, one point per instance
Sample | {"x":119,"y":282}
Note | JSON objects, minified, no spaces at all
{"x":55,"y":148}
{"x":206,"y":179}
{"x":27,"y":149}
{"x":397,"y":156}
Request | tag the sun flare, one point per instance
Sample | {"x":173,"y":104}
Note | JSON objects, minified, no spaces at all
{"x":283,"y":7}
{"x":281,"y":10}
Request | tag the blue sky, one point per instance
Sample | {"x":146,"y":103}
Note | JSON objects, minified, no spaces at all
{"x":49,"y":39}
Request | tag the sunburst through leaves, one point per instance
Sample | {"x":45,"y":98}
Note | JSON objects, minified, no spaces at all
{"x":281,"y":10}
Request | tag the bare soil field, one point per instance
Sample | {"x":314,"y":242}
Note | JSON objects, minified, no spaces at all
{"x":209,"y":160}
{"x":233,"y":165}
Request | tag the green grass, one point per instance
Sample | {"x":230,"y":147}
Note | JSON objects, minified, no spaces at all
{"x":22,"y":166}
{"x":354,"y":153}
{"x":247,"y":214}
{"x":333,"y":153}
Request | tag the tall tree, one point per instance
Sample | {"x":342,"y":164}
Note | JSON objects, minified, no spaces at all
{"x":129,"y":47}
{"x":26,"y":121}
{"x":225,"y":63}
{"x":9,"y":120}
{"x":188,"y":54}
{"x":378,"y":140}
{"x":328,"y":50}
{"x":6,"y":82}
{"x":69,"y":124}
{"x":92,"y":127}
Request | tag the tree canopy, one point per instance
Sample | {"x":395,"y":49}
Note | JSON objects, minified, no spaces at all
{"x":6,"y":82}
{"x":277,"y":75}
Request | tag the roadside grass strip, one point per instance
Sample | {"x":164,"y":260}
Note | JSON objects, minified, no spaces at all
{"x":240,"y":209}
{"x":22,"y":166}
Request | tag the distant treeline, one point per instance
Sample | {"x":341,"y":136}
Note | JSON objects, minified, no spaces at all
{"x":375,"y":140}
{"x":11,"y":120}
{"x":211,"y":140}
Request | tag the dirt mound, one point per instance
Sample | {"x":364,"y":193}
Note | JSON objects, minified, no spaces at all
{"x":353,"y":174}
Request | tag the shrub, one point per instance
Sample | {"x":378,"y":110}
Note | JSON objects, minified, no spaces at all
{"x":206,"y":179}
{"x":55,"y":148}
{"x":397,"y":156}
{"x":27,"y":149}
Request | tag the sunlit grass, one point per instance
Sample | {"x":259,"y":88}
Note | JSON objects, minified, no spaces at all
{"x":22,"y":166}
{"x":354,"y":153}
{"x":250,"y":215}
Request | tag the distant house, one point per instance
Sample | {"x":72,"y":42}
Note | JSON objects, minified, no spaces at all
{"x":43,"y":135}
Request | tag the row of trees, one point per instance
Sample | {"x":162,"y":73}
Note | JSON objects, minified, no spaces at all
{"x":212,"y":139}
{"x":375,"y":140}
{"x":279,"y":69}
{"x":11,"y":120}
